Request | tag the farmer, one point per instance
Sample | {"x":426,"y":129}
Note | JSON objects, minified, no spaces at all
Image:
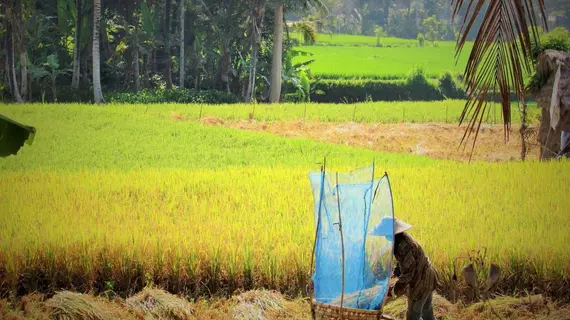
{"x":417,"y":278}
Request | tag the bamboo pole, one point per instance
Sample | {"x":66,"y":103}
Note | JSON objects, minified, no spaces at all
{"x":341,"y":242}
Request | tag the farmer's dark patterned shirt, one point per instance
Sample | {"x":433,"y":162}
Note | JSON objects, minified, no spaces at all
{"x":416,"y":270}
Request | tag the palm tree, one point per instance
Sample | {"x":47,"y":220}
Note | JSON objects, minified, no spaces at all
{"x":76,"y":47}
{"x":11,"y":20}
{"x":182,"y":64}
{"x":167,"y":24}
{"x":500,"y":55}
{"x":257,"y":12}
{"x":277,"y":62}
{"x":22,"y":50}
{"x":97,"y":91}
{"x":136,"y":57}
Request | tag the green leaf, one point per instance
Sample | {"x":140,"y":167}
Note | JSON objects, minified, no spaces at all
{"x":147,"y":19}
{"x":302,"y":64}
{"x":73,"y":9}
{"x":122,"y":46}
{"x":37,"y":73}
{"x":296,"y":53}
{"x":62,"y":15}
{"x":52,"y":62}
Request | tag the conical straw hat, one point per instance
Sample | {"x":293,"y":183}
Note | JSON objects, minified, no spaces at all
{"x":384,"y":228}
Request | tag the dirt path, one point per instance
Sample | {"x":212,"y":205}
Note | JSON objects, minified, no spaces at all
{"x":440,"y":141}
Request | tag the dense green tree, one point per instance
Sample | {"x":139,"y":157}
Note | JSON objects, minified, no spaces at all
{"x":432,"y":28}
{"x":277,"y":60}
{"x":236,"y":46}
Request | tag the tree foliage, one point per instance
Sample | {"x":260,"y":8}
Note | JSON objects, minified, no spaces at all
{"x":140,"y":44}
{"x":432,"y":28}
{"x":227,"y":45}
{"x":500,"y":57}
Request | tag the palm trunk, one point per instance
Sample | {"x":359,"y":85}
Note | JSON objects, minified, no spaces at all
{"x":97,"y":90}
{"x":225,"y":65}
{"x":24,"y":66}
{"x":53,"y":88}
{"x":7,"y":68}
{"x":257,"y":18}
{"x":276,"y":63}
{"x":197,"y":65}
{"x":136,"y":60}
{"x":11,"y":63}
{"x":22,"y":50}
{"x":85,"y":61}
{"x":76,"y":48}
{"x":167,"y":19}
{"x":523,"y":130}
{"x":146,"y":78}
{"x":252,"y":73}
{"x":182,"y":64}
{"x":386,"y":12}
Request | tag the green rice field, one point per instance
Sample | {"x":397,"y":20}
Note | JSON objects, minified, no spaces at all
{"x":381,"y":63}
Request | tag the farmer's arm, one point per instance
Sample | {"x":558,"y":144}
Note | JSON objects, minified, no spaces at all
{"x":407,"y":266}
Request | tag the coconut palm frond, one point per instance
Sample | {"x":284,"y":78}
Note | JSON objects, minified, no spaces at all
{"x":307,"y":30}
{"x":317,"y":6}
{"x":500,"y":56}
{"x":13,"y":135}
{"x":308,"y":6}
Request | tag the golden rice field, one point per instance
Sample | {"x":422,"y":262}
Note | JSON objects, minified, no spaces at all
{"x":107,"y":198}
{"x":209,"y":230}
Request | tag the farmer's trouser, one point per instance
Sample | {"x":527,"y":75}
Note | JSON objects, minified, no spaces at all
{"x":421,"y":308}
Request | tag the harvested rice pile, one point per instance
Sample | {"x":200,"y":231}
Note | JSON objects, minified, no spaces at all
{"x":254,"y":305}
{"x":262,"y":305}
{"x":159,"y":304}
{"x":441,"y":307}
{"x":70,"y":306}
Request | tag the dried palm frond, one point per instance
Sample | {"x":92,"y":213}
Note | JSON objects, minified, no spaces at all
{"x":500,"y":53}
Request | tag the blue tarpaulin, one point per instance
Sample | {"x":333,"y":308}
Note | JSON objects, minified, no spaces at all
{"x":363,"y":202}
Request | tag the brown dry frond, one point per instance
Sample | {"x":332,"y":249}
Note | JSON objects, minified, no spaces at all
{"x":501,"y":50}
